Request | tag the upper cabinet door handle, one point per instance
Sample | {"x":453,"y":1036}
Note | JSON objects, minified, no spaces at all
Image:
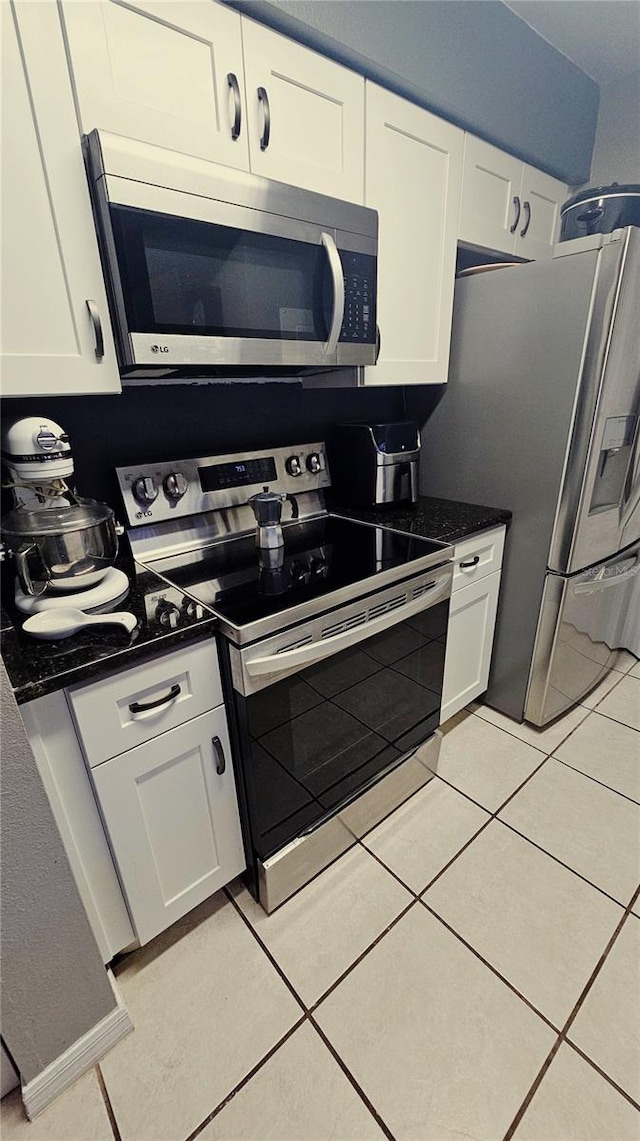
{"x":527,"y":210}
{"x":232,"y":80}
{"x":263,"y":98}
{"x":516,"y":203}
{"x":97,"y":328}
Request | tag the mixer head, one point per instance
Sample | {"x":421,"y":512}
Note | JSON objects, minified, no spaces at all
{"x":37,"y":455}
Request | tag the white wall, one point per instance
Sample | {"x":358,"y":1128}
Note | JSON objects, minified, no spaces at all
{"x":616,"y":154}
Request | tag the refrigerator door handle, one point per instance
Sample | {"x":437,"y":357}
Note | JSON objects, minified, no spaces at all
{"x":631,"y":498}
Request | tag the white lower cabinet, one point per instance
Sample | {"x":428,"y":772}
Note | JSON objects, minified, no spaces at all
{"x":138,"y":771}
{"x":171,"y":815}
{"x":472,"y":620}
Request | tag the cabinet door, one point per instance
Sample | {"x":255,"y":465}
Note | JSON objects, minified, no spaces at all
{"x":172,"y":820}
{"x":158,"y":71}
{"x":491,"y":207}
{"x":413,"y":180}
{"x":305,"y":113}
{"x":53,"y":341}
{"x":542,"y":197}
{"x":472,"y":620}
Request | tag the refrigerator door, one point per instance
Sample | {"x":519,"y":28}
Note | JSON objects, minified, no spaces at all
{"x":583,"y":621}
{"x":598,"y":505}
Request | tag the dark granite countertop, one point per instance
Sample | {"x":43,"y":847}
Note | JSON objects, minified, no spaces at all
{"x":36,"y":667}
{"x":443,"y":519}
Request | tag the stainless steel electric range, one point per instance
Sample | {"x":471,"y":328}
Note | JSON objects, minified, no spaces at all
{"x":333,"y":645}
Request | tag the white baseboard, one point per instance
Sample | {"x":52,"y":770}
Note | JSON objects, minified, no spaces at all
{"x":80,"y":1057}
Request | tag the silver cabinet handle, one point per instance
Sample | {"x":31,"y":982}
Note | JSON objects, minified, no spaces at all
{"x":527,"y":210}
{"x":516,"y":203}
{"x":236,"y":127}
{"x":263,"y":98}
{"x":97,"y":328}
{"x":221,"y":763}
{"x":337,"y":274}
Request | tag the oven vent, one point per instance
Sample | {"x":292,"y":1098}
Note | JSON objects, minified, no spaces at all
{"x":418,"y":591}
{"x":348,"y":624}
{"x":294,"y":645}
{"x":384,"y":607}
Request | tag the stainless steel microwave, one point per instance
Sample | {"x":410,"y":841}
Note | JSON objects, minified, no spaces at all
{"x":210,"y":268}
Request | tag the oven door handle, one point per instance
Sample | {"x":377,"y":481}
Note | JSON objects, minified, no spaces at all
{"x":309,"y":655}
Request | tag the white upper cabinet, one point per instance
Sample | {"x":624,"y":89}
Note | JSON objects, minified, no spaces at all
{"x":541,"y":197}
{"x":195,"y":77}
{"x":56,"y":336}
{"x":413,"y":178}
{"x":506,"y":204}
{"x":305,"y":115}
{"x":168,"y":73}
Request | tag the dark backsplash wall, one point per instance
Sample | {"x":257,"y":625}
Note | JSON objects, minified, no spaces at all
{"x":161,"y":423}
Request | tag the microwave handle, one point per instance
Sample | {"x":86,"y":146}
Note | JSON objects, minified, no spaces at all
{"x":335,"y":265}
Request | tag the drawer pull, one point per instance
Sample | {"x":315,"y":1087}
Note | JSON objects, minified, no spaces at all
{"x":221,"y":763}
{"x":138,"y":707}
{"x":470,"y":563}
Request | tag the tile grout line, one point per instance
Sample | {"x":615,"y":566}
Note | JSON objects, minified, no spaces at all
{"x":603,"y":1073}
{"x":247,"y":922}
{"x":356,"y":1085}
{"x":246,"y":1079}
{"x":557,"y":859}
{"x":308,"y":1017}
{"x":523,"y":740}
{"x":486,"y":963}
{"x":108,"y":1106}
{"x":596,"y":781}
{"x":562,"y":1037}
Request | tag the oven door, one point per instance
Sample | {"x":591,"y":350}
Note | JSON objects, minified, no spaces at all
{"x":328,"y":711}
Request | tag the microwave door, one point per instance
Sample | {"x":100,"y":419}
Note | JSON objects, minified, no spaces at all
{"x":198,"y":292}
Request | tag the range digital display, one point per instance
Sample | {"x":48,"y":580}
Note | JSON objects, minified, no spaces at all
{"x":220,"y":477}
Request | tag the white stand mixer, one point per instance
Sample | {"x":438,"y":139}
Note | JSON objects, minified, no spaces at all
{"x":37,"y":455}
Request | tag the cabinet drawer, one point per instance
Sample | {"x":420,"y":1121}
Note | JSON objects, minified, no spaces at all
{"x":478,"y":556}
{"x":173,"y":688}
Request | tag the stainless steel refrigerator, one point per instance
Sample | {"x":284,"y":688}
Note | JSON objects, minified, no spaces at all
{"x":541,"y":415}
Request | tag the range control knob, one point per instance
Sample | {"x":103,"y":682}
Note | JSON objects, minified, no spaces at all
{"x":175,"y":485}
{"x":168,"y":614}
{"x":195,"y":610}
{"x":293,"y":465}
{"x":145,"y":489}
{"x":314,"y":463}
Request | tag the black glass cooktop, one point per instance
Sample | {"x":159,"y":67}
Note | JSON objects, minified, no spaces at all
{"x":321,"y":555}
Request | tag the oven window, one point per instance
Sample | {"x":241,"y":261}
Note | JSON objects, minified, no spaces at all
{"x":314,"y":740}
{"x":182,"y":276}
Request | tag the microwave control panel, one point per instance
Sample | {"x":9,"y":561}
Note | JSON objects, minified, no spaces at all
{"x":359,"y":322}
{"x":160,"y":492}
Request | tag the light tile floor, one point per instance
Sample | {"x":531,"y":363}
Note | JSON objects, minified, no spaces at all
{"x":470,"y":970}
